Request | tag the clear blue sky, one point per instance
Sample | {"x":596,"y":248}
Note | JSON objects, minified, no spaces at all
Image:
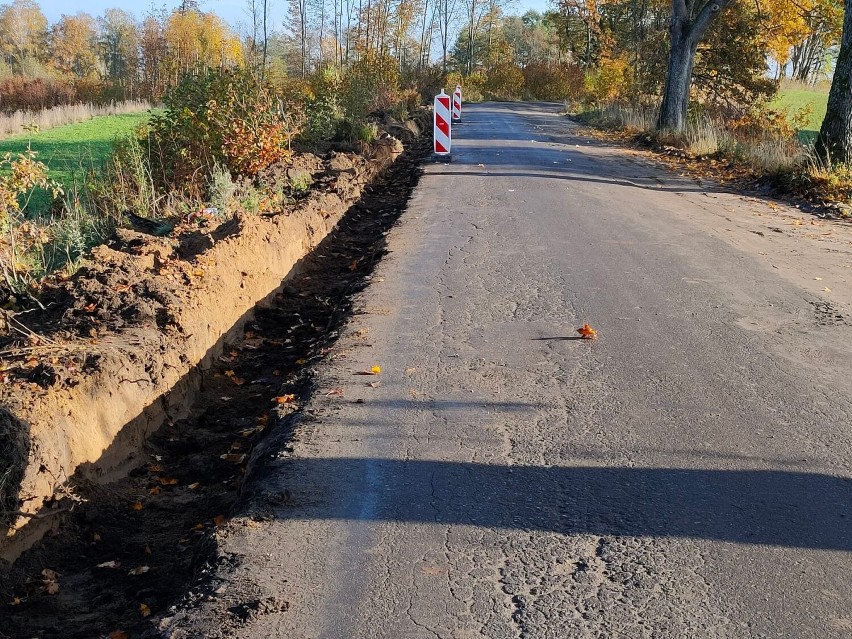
{"x":234,"y":11}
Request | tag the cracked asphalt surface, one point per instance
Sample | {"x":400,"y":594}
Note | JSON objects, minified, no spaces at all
{"x":687,"y":474}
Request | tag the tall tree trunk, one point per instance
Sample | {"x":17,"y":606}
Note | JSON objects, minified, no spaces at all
{"x":834,"y":143}
{"x":688,"y":26}
{"x":678,"y":83}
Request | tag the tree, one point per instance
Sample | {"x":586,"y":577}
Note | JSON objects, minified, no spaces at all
{"x":153,"y":51}
{"x":23,"y":32}
{"x":73,"y":45}
{"x":834,"y":143}
{"x":447,"y":14}
{"x":689,"y":23}
{"x":119,"y":48}
{"x":197,"y":40}
{"x":258,"y":11}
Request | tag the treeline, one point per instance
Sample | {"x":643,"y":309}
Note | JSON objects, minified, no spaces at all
{"x":115,"y":56}
{"x":594,"y":50}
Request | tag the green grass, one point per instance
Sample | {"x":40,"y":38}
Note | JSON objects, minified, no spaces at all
{"x":795,"y":97}
{"x":72,"y":151}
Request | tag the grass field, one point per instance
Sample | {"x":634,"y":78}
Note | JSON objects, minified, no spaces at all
{"x":793,"y":97}
{"x":71,"y":151}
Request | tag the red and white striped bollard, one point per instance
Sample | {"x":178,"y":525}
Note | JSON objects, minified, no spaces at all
{"x":457,"y":104}
{"x":442,"y":128}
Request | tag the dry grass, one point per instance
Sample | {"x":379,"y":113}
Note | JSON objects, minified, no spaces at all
{"x":18,"y":122}
{"x":766,"y":153}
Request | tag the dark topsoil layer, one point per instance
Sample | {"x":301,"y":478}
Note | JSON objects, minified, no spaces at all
{"x":129,"y":552}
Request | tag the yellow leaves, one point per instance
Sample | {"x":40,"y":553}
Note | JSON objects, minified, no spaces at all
{"x":587,"y":332}
{"x":137,"y":506}
{"x":289,"y":398}
{"x":375,"y":370}
{"x":144,"y":610}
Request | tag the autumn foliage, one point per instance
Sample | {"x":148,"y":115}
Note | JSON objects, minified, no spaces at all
{"x":229,"y":119}
{"x":18,"y":93}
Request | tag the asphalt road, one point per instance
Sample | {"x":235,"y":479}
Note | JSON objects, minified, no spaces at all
{"x":687,"y":474}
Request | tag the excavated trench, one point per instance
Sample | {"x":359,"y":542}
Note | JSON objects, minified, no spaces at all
{"x":128,"y":550}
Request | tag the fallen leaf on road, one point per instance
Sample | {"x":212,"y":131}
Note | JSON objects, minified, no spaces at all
{"x":374,"y":384}
{"x":137,"y":505}
{"x":139,"y":570}
{"x":376,"y":370}
{"x":826,"y":289}
{"x":144,"y":610}
{"x":587,"y":332}
{"x":109,"y":564}
{"x":285,"y":399}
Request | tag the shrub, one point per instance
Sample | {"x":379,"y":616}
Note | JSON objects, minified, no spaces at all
{"x":505,"y":82}
{"x":609,"y":82}
{"x":20,"y":93}
{"x":370,"y":85}
{"x":323,"y":107}
{"x":222,"y":117}
{"x":472,"y":85}
{"x":556,"y":82}
{"x":21,"y":241}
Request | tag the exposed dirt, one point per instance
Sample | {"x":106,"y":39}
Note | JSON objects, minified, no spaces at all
{"x":131,"y":550}
{"x":120,"y":347}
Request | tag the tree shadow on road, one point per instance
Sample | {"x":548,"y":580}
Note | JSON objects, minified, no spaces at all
{"x":768,"y":507}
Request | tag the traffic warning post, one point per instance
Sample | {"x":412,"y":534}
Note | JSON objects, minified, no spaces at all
{"x":442,"y":127}
{"x":457,"y":104}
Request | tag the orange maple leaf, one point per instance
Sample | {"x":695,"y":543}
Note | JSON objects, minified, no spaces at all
{"x":587,"y":332}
